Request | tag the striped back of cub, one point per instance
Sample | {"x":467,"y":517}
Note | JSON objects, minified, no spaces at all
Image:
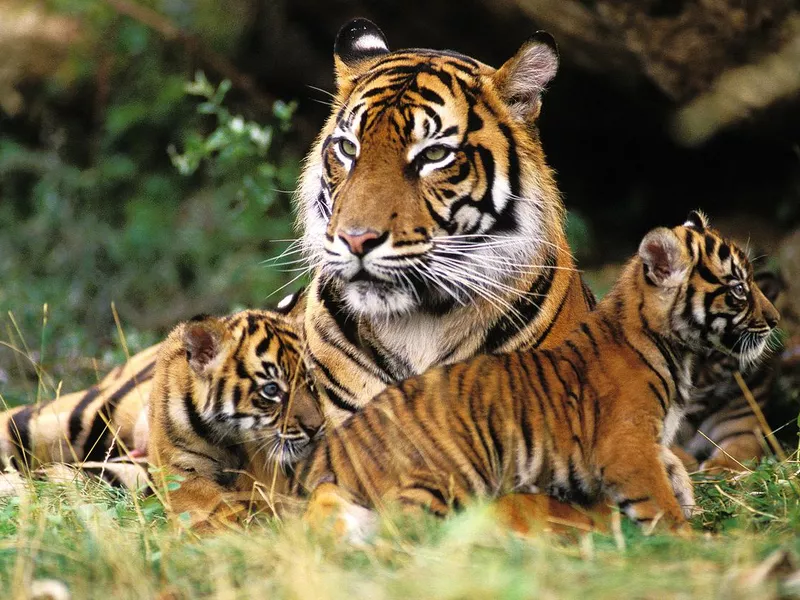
{"x":591,"y":417}
{"x":90,"y":425}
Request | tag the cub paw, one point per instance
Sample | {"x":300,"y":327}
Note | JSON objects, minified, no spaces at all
{"x":681,"y":482}
{"x":331,"y":509}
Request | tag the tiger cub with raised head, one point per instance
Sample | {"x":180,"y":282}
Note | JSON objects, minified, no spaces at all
{"x":721,"y":431}
{"x":227,"y":392}
{"x":589,"y":419}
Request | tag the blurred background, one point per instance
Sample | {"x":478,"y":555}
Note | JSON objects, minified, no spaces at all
{"x":127,"y":178}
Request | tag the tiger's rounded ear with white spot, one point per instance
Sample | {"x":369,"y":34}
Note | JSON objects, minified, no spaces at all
{"x":357,"y":46}
{"x":523,"y":78}
{"x":203,"y":338}
{"x":662,"y":253}
{"x":697,"y":220}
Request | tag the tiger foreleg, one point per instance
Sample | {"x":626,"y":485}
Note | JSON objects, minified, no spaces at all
{"x":732,"y":454}
{"x":641,"y":487}
{"x":680,"y":481}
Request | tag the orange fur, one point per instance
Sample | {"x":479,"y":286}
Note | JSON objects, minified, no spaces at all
{"x":589,"y":419}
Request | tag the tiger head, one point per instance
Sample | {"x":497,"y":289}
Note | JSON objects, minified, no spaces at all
{"x":704,"y":291}
{"x":428,"y":185}
{"x":251,"y":384}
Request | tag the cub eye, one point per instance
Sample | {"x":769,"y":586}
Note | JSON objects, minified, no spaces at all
{"x":738,"y":291}
{"x":348,"y":148}
{"x":271,"y":391}
{"x":435,"y":153}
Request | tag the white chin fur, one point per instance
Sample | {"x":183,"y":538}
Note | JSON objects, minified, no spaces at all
{"x":367,"y":300}
{"x":753,"y":356}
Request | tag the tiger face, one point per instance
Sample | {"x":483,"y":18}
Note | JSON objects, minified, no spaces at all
{"x":425,"y":188}
{"x":251,"y":383}
{"x":707,"y":284}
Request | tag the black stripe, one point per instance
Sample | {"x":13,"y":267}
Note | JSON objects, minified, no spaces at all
{"x":525,"y":309}
{"x":197,"y":423}
{"x":76,"y":416}
{"x":734,"y":434}
{"x":661,"y":400}
{"x":19,"y":431}
{"x":588,"y":333}
{"x":588,"y":295}
{"x":95,"y":446}
{"x":543,"y":337}
{"x":628,"y":502}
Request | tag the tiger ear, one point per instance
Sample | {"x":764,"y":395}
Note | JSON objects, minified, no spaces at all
{"x":202,"y":338}
{"x":664,"y":262}
{"x":697,"y":220}
{"x":357,"y":44}
{"x":523,"y":78}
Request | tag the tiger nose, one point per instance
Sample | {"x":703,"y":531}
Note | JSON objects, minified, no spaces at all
{"x":772,"y":319}
{"x":361,"y":241}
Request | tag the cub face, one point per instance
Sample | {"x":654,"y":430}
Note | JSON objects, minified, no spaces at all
{"x":713,"y":300}
{"x":251,"y":384}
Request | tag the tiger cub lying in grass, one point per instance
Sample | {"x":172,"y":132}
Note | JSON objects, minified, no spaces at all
{"x":590,"y":419}
{"x":222,"y":384}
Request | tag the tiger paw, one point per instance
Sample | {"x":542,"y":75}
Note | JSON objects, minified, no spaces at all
{"x":529,"y":514}
{"x":721,"y":464}
{"x":330,"y":509}
{"x":223,"y":516}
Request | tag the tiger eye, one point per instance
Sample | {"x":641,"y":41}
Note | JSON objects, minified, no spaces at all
{"x":348,"y":148}
{"x":435,"y":153}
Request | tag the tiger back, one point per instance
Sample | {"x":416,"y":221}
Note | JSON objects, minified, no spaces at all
{"x":101,"y":422}
{"x":593,"y":417}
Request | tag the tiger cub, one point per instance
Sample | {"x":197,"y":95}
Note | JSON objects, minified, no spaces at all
{"x":225,"y":391}
{"x":589,"y":419}
{"x":721,"y":431}
{"x":93,"y":425}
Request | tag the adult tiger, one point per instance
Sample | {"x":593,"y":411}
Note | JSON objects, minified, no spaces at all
{"x":432,"y":218}
{"x":432,"y":215}
{"x":442,"y":236}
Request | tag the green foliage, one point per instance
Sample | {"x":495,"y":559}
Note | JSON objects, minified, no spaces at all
{"x":93,"y":211}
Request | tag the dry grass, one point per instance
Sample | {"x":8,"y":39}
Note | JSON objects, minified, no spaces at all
{"x":105,"y":543}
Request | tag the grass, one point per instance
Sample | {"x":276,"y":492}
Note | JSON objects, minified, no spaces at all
{"x":102,"y":543}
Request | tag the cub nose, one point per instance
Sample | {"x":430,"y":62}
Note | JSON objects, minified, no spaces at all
{"x":772,"y":319}
{"x":361,"y":241}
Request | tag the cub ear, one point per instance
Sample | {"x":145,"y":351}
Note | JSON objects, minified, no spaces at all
{"x":523,"y":78}
{"x":697,"y":220}
{"x":357,"y":44}
{"x":662,"y":254}
{"x":202,"y":338}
